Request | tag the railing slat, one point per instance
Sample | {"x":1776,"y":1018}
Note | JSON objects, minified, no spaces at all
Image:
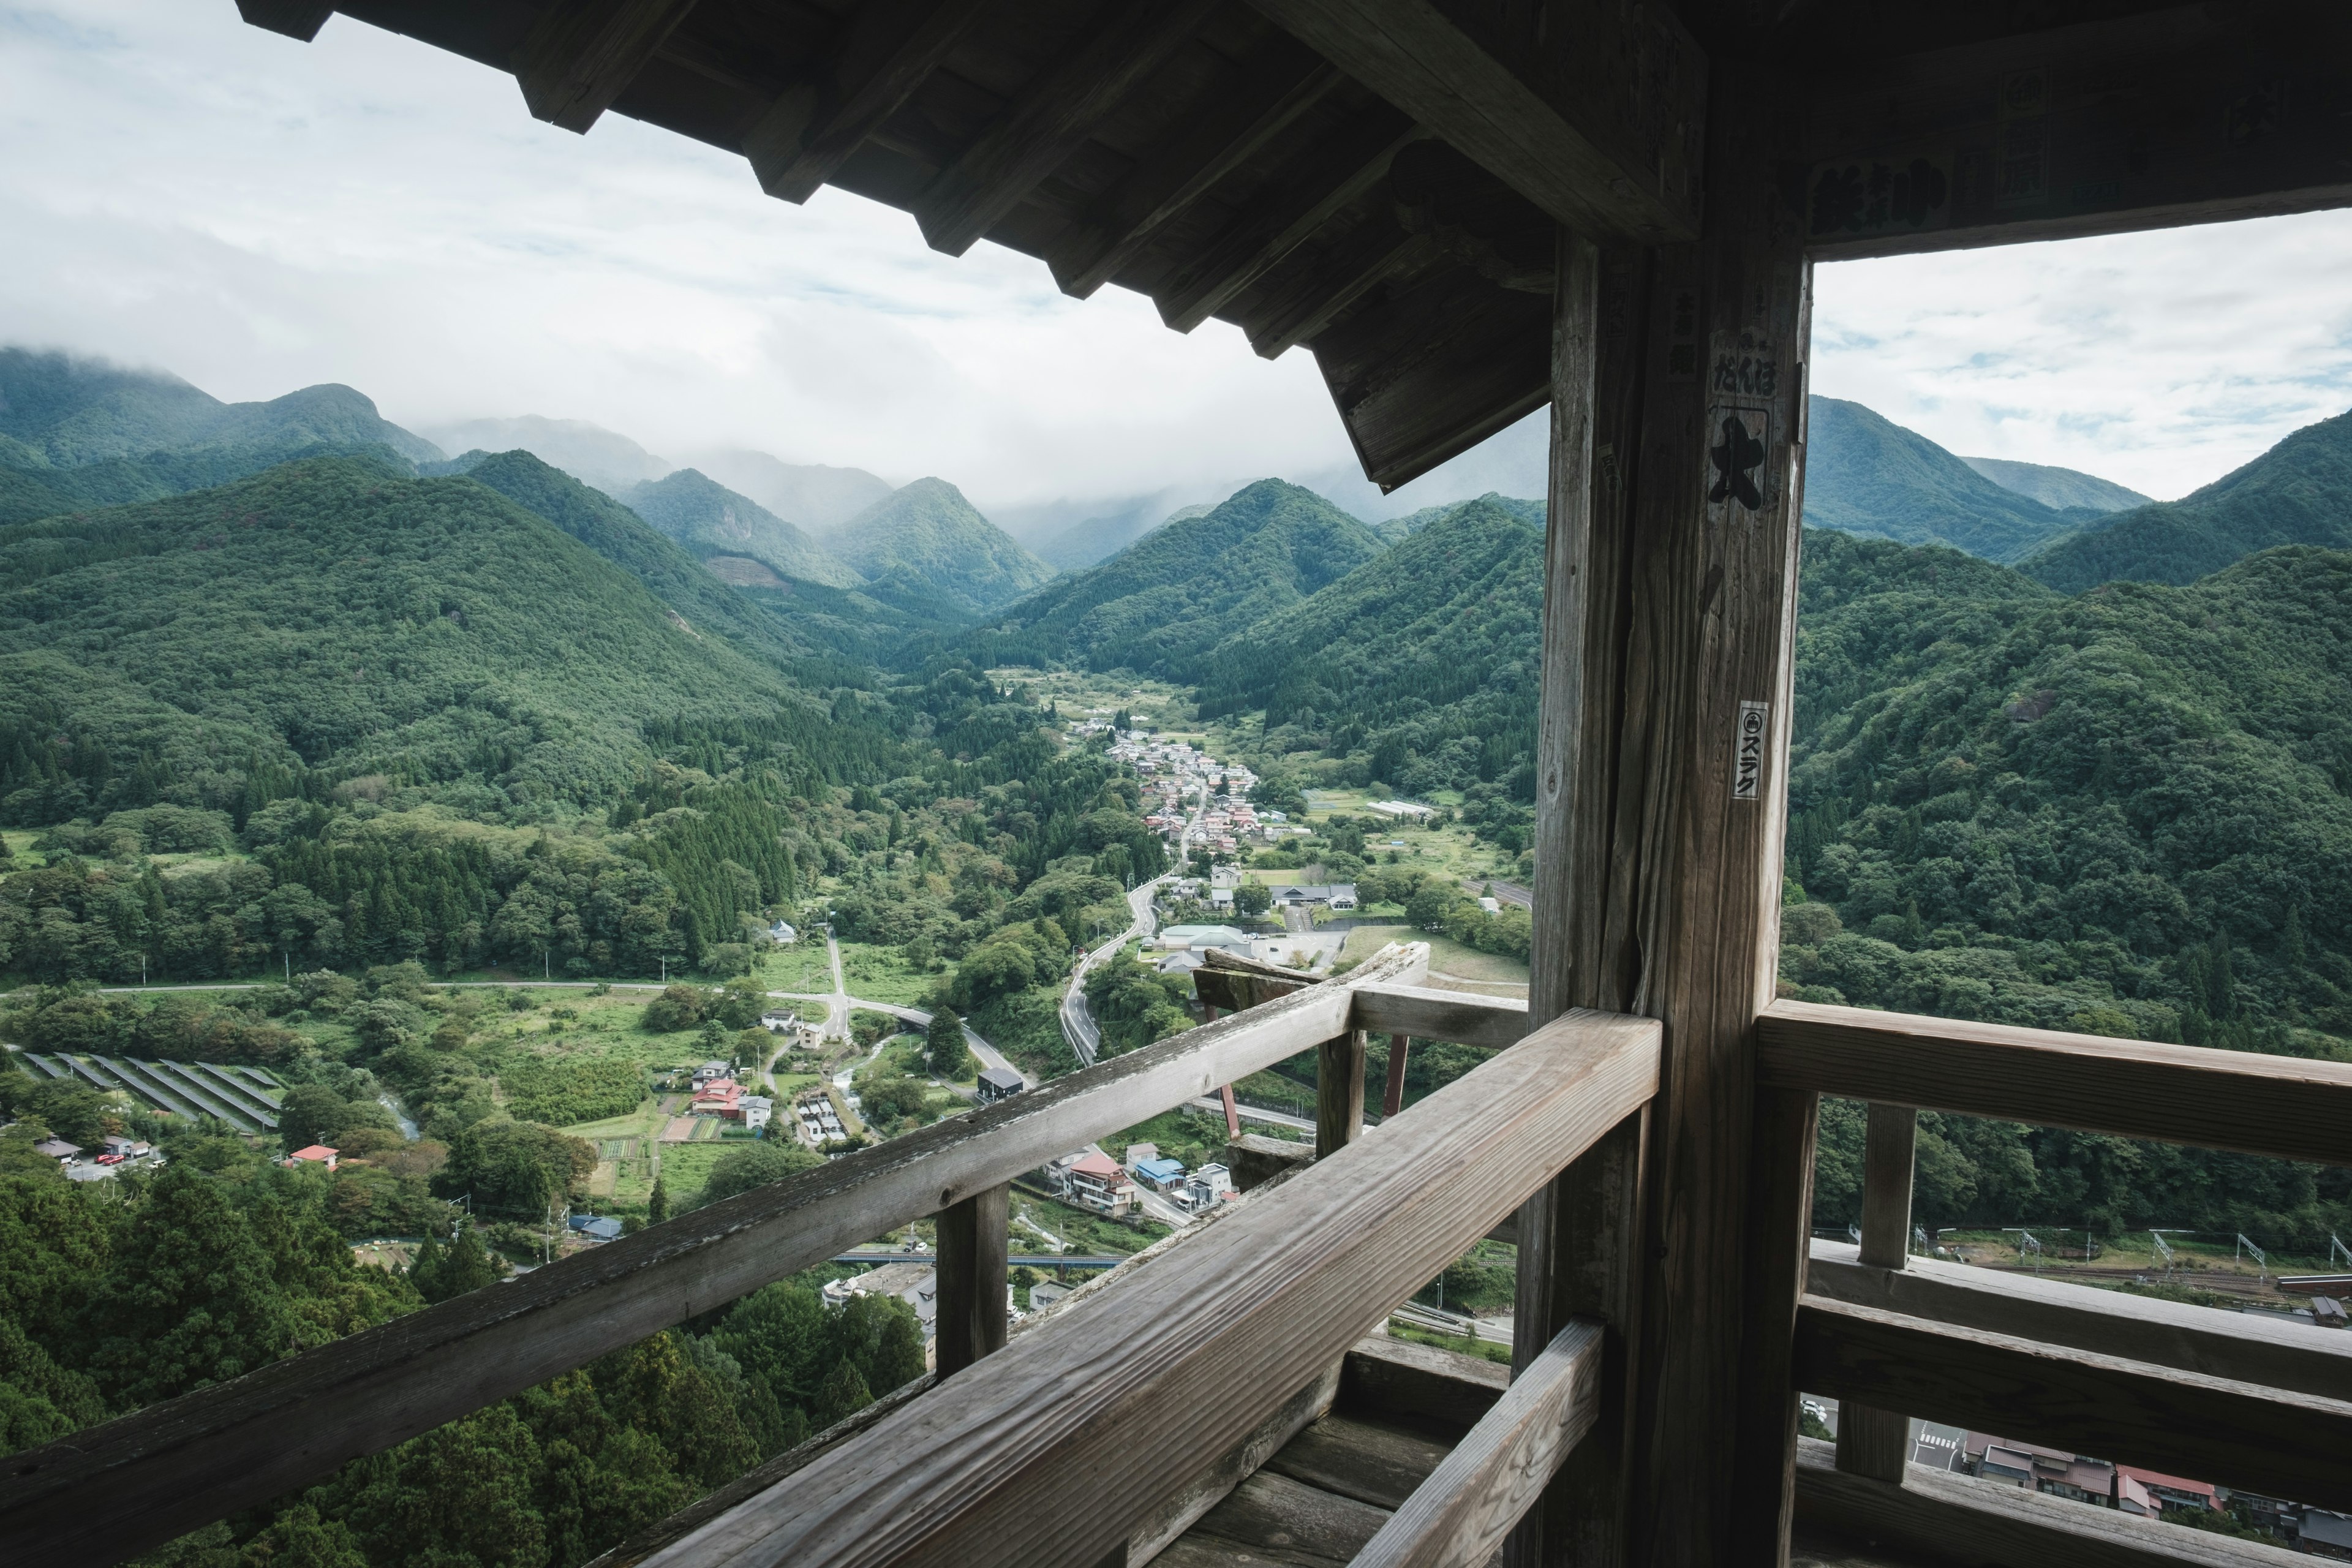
{"x":2259,"y":1348}
{"x":1339,"y":1091}
{"x":2239,"y":1101}
{"x":1203,"y":1343}
{"x":972,"y":1278}
{"x":117,"y":1489}
{"x":1459,"y":1517}
{"x":2231,"y":1433}
{"x":1870,"y":1441}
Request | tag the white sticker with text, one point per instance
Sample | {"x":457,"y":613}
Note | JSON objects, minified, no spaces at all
{"x":1748,"y":760}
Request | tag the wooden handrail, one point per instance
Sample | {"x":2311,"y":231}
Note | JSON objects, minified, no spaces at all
{"x":1492,"y":1022}
{"x":1460,"y":1517}
{"x":120,"y":1488}
{"x":2236,"y":1434}
{"x":2258,"y":1348}
{"x":1202,"y":1344}
{"x":2239,"y":1101}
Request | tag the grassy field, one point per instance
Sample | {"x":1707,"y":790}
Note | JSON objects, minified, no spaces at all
{"x":1447,"y":851}
{"x":883,"y":974}
{"x":1081,"y":1231}
{"x":1490,"y":972}
{"x":800,"y":967}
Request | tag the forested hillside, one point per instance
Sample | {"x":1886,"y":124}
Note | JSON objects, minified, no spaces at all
{"x":1161,"y":604}
{"x":726,"y":531}
{"x":2298,"y":492}
{"x":925,"y":547}
{"x":1423,"y":659}
{"x":2062,"y":490}
{"x":1864,"y":474}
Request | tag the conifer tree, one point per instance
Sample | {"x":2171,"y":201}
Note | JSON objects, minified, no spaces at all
{"x":658,"y":1203}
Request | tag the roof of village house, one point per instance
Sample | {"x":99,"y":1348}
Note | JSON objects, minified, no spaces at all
{"x":1094,"y":1164}
{"x":315,"y":1152}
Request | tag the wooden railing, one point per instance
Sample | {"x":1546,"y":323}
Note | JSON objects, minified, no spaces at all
{"x":2258,"y":1405}
{"x":1214,"y":1338}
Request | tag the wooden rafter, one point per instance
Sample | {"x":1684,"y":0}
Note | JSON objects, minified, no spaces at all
{"x":1281,"y":220}
{"x":1303,"y":305}
{"x":886,"y":52}
{"x":580,"y":57}
{"x":1592,"y":110}
{"x":1229,"y":127}
{"x":1042,"y":127}
{"x":296,"y":18}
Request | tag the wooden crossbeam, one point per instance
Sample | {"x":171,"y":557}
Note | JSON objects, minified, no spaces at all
{"x":1594,"y":111}
{"x":2243,"y":1347}
{"x":1354,"y":268}
{"x":582,"y":54}
{"x":1227,"y":128}
{"x":1041,"y":128}
{"x":1457,"y":1016}
{"x":117,"y":1489}
{"x":1199,"y":1345}
{"x":889,"y":48}
{"x":1459,"y":1517}
{"x":2196,"y":114}
{"x":2233,"y":1434}
{"x":1342,"y":168}
{"x":1947,"y":1517}
{"x":2239,"y":1101}
{"x":296,"y":18}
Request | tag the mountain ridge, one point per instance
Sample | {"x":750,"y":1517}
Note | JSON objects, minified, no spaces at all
{"x":924,"y":547}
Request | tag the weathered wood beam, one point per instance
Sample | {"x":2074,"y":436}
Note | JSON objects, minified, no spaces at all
{"x":1340,"y":1092}
{"x":974,"y":1247}
{"x":2238,"y":1101}
{"x":1593,"y":111}
{"x":116,"y":1489}
{"x":1201,"y":1345}
{"x":1427,"y":370}
{"x":1392,"y":1091}
{"x":1310,"y":302}
{"x":2198,"y":114}
{"x":1872,"y":1442}
{"x":1958,"y":1519}
{"x":1457,"y":1016}
{"x":2243,"y":1347}
{"x":889,"y":48}
{"x":1277,"y":222}
{"x":2234,"y":1434}
{"x":1388,"y":1376}
{"x":583,"y":54}
{"x":1459,"y":1517}
{"x":1044,"y":125}
{"x":300,"y":19}
{"x":1227,"y":129}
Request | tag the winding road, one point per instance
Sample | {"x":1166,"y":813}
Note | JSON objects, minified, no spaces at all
{"x":1078,"y":1026}
{"x":839,"y":1003}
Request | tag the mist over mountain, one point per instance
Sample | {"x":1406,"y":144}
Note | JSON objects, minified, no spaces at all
{"x":1093,"y":539}
{"x":732,"y":534}
{"x":924,"y":545}
{"x":815,"y":496}
{"x":2065,"y":490}
{"x":2298,"y":492}
{"x":589,"y":452}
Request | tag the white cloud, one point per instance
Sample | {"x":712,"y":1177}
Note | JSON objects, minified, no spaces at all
{"x":180,"y":190}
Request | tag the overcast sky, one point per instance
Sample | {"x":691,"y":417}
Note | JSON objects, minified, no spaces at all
{"x":182,"y":191}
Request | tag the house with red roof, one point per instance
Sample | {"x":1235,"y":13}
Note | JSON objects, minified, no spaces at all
{"x":1097,"y":1183}
{"x":316,"y":1154}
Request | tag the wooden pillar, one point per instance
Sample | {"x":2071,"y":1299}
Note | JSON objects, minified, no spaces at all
{"x":1872,"y":1442}
{"x":1677,"y":439}
{"x":1339,"y":1091}
{"x":973,"y":1250}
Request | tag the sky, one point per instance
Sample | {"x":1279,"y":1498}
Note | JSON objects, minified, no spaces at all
{"x":178,"y":190}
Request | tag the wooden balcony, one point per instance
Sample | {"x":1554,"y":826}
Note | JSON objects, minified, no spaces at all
{"x":1239,"y":1346}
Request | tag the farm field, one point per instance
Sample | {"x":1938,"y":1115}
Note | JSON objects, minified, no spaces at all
{"x":1452,"y":966}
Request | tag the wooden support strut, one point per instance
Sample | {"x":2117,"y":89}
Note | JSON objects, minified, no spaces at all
{"x":1340,"y":1092}
{"x":1044,"y":125}
{"x":1392,"y":1096}
{"x":1872,"y":1442}
{"x":888,"y":51}
{"x":581,"y":56}
{"x":972,"y":1306}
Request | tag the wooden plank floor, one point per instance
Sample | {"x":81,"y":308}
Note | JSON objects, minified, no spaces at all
{"x":1324,"y":1493}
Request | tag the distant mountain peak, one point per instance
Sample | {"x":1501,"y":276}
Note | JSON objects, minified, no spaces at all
{"x":925,"y":547}
{"x":712,"y":521}
{"x":1866,"y":474}
{"x":2062,"y":490}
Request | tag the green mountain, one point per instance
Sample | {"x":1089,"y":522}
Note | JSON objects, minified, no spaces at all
{"x":336,"y":615}
{"x":2298,"y":492}
{"x":925,"y":548}
{"x":1083,"y":544}
{"x":739,"y":540}
{"x":1531,"y":512}
{"x":1161,"y":604}
{"x":1423,"y":657}
{"x":589,"y":452}
{"x":2062,"y":489}
{"x":73,"y":413}
{"x":1864,"y":474}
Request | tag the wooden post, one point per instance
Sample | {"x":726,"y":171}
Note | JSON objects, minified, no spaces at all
{"x":1339,"y":1091}
{"x":1779,"y":1236}
{"x":1872,"y":1442}
{"x":1224,"y":1091}
{"x":1393,"y":1098}
{"x":973,"y":1247}
{"x":1677,"y":441}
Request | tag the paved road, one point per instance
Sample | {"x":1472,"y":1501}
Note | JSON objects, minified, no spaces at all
{"x":1252,"y":1114}
{"x":1078,"y":1026}
{"x":1505,"y":893}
